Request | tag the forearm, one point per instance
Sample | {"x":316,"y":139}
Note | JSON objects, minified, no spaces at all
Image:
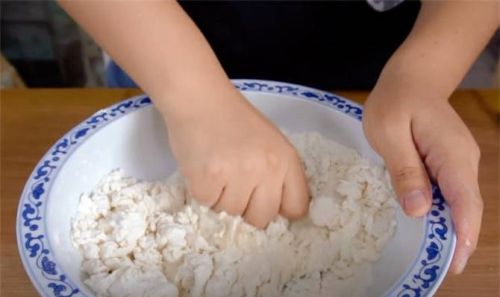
{"x":446,"y":39}
{"x":159,"y":47}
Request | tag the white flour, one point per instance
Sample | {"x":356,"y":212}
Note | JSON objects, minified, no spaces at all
{"x":150,"y":239}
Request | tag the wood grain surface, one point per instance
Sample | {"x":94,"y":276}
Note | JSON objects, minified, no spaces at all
{"x":33,"y":119}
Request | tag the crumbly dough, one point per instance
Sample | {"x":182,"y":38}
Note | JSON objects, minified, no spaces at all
{"x":151,"y":239}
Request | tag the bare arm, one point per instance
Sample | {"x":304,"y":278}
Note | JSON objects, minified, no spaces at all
{"x":159,"y":46}
{"x":446,"y":39}
{"x":410,"y":123}
{"x":233,"y":159}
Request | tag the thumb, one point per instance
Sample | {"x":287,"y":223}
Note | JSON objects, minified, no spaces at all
{"x":408,"y":175}
{"x":411,"y":184}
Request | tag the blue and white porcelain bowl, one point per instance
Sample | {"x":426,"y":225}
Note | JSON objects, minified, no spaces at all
{"x":130,"y":135}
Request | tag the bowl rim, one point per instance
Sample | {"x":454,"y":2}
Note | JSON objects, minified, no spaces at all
{"x":422,"y":278}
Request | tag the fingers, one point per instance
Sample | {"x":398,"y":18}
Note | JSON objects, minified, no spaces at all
{"x":295,"y":203}
{"x":276,"y":192}
{"x":206,"y":189}
{"x":411,"y":184}
{"x":460,"y":188}
{"x":258,"y":190}
{"x":234,"y":199}
{"x":264,"y":204}
{"x":455,"y":164}
{"x":451,"y":157}
{"x":408,"y":174}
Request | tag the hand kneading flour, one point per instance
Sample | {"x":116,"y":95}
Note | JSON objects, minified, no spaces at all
{"x":151,"y":239}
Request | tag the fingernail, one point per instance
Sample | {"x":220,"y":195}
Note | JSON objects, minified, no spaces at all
{"x":461,"y":263}
{"x":414,"y":202}
{"x":463,"y":258}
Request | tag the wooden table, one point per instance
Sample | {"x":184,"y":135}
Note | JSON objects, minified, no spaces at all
{"x":32,"y":120}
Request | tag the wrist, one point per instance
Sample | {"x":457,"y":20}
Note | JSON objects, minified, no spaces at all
{"x":196,"y":102}
{"x":409,"y":76}
{"x":400,"y":102}
{"x":401,"y":87}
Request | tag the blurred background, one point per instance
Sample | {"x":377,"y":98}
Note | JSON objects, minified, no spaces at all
{"x":46,"y":48}
{"x":42,"y":47}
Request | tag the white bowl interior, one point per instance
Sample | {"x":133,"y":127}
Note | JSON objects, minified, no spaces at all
{"x":137,"y":143}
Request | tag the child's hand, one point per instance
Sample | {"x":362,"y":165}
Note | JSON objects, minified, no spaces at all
{"x":237,"y":161}
{"x":419,"y":139}
{"x":232,"y":157}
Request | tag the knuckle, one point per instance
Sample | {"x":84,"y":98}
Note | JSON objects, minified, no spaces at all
{"x":253,"y":164}
{"x":407,"y":173}
{"x":249,"y":165}
{"x":272,"y":160}
{"x":213,"y":170}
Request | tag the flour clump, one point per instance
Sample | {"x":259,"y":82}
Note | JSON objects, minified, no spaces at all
{"x":140,"y":238}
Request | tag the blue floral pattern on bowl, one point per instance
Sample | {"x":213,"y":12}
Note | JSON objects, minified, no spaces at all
{"x":421,"y":279}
